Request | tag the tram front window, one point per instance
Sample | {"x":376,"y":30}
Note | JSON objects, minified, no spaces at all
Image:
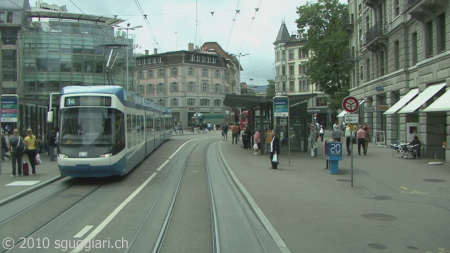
{"x":87,"y":126}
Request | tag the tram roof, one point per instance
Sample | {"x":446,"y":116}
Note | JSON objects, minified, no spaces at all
{"x":246,"y":101}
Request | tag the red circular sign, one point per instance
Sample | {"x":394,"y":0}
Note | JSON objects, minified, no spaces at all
{"x":350,"y":104}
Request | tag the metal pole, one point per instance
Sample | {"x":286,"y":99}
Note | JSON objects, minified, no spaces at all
{"x":127,"y":57}
{"x":351,"y":155}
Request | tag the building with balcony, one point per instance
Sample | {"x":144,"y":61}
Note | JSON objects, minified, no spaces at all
{"x":190,"y":82}
{"x":291,"y":78}
{"x":401,"y":67}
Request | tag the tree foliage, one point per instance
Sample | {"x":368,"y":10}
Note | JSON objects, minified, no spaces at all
{"x":327,"y":42}
{"x":270,"y":91}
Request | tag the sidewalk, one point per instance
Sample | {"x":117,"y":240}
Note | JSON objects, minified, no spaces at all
{"x":395,"y":204}
{"x":12,"y":188}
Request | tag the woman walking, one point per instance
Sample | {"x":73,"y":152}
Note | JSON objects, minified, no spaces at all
{"x":30,"y":143}
{"x":257,"y":141}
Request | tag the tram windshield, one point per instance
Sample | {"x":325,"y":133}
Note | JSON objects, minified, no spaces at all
{"x":88,"y":126}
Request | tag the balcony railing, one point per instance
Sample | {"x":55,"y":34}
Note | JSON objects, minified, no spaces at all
{"x":374,"y":32}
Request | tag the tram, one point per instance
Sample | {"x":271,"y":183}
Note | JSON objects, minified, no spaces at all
{"x":107,"y":130}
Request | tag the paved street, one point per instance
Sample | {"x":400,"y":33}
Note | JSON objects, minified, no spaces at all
{"x":400,"y":205}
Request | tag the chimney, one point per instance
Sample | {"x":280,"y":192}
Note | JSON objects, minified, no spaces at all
{"x":155,"y":51}
{"x":146,"y":52}
{"x":191,"y":47}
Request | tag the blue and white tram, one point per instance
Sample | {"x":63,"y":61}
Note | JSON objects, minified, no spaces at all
{"x":106,"y":130}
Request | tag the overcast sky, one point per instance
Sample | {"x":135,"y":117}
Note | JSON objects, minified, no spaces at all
{"x":172,"y":24}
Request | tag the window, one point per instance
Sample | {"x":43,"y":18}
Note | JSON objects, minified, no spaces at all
{"x":160,"y":72}
{"x":150,"y":89}
{"x":291,"y":70}
{"x":191,"y":102}
{"x":283,"y":70}
{"x":205,"y":87}
{"x":160,"y":88}
{"x":140,"y":75}
{"x":305,"y":85}
{"x":217,"y":73}
{"x":301,"y":71}
{"x":361,"y":73}
{"x":192,"y":57}
{"x":217,"y":88}
{"x":291,"y":86}
{"x":414,"y":48}
{"x":2,"y":17}
{"x":382,"y":66}
{"x":441,"y":33}
{"x":191,"y":87}
{"x":217,"y":102}
{"x":9,"y":17}
{"x":9,"y":36}
{"x":9,"y":65}
{"x":149,"y":74}
{"x":291,"y":55}
{"x":321,"y":101}
{"x":396,"y":8}
{"x":174,"y":102}
{"x":396,"y":55}
{"x":204,"y":102}
{"x":174,"y":71}
{"x":191,"y":71}
{"x":429,"y":39}
{"x":204,"y":72}
{"x":174,"y":87}
{"x":149,"y":61}
{"x":161,"y":102}
{"x":368,"y":69}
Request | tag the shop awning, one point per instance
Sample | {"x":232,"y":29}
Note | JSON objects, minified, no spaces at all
{"x":442,"y":104}
{"x":403,"y":101}
{"x":423,"y":97}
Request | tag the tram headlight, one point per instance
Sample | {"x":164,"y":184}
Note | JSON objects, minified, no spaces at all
{"x":106,"y":155}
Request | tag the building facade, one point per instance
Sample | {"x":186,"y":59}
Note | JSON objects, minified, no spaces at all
{"x":291,"y":78}
{"x":45,"y":48}
{"x":401,"y":56}
{"x":190,"y":82}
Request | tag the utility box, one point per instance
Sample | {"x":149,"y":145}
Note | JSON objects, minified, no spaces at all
{"x":334,"y":155}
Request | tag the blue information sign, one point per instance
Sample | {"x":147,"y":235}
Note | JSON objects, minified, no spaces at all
{"x":281,"y":106}
{"x":334,"y":151}
{"x":9,"y":108}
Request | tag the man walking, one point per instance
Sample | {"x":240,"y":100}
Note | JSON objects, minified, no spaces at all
{"x":361,"y":135}
{"x":16,"y":146}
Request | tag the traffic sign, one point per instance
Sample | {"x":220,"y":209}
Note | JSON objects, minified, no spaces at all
{"x":350,"y":118}
{"x":350,"y":104}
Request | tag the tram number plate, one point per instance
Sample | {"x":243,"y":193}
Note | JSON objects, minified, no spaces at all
{"x":82,"y":154}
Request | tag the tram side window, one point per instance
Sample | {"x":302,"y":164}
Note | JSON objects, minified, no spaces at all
{"x":119,"y":130}
{"x":129,"y":131}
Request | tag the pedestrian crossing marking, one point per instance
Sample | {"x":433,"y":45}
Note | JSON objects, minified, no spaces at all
{"x":23,"y":183}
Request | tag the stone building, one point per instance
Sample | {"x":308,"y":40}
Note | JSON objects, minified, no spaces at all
{"x":190,"y":82}
{"x":401,"y":56}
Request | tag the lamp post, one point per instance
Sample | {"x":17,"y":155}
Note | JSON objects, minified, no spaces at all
{"x":128,"y":28}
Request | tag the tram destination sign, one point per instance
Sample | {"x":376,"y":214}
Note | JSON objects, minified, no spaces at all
{"x":281,"y":106}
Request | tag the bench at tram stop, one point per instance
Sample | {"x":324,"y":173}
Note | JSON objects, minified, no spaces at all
{"x":333,"y":154}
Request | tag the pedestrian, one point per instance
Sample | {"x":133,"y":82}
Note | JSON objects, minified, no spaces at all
{"x":337,"y":133}
{"x":274,"y":149}
{"x":4,"y":148}
{"x":348,"y":136}
{"x":366,"y":143}
{"x":225,"y":131}
{"x":417,"y":142}
{"x":52,"y":145}
{"x":321,"y":133}
{"x":180,"y":128}
{"x":234,"y":131}
{"x":16,"y":146}
{"x":30,"y":144}
{"x":268,"y":139}
{"x":361,"y":135}
{"x":257,"y":141}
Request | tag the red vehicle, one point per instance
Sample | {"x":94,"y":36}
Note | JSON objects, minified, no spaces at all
{"x":244,"y":120}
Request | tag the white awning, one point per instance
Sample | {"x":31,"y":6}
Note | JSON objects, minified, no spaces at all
{"x":403,"y":101}
{"x":342,"y":114}
{"x":442,"y":104}
{"x":423,"y":97}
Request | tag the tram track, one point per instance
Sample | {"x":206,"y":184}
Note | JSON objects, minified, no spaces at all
{"x":232,"y":225}
{"x":30,"y":220}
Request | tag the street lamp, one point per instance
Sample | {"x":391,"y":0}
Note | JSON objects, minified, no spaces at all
{"x":239,"y":67}
{"x":128,"y":28}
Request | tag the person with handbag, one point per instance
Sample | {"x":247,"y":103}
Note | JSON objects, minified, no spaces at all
{"x":257,"y":141}
{"x":275,"y":150}
{"x":30,"y":143}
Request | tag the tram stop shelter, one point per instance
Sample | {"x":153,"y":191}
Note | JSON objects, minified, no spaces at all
{"x":261,"y":117}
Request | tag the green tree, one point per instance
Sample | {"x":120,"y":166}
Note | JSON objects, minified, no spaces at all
{"x":327,"y":42}
{"x":270,"y":91}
